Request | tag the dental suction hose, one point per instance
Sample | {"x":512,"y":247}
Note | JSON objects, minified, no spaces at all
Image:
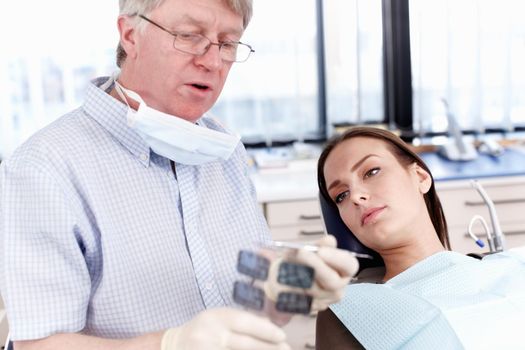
{"x":496,"y":240}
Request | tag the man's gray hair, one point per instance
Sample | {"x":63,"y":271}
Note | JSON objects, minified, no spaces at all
{"x":134,"y":7}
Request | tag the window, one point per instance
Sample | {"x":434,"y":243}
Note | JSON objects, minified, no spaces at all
{"x":278,"y":94}
{"x":46,"y":66}
{"x":274,"y":95}
{"x":354,"y":66}
{"x":317,"y":63}
{"x":471,"y":54}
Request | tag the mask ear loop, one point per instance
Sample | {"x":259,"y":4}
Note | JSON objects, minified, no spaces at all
{"x":132,"y":94}
{"x":123,"y":93}
{"x":120,"y":91}
{"x":113,"y":78}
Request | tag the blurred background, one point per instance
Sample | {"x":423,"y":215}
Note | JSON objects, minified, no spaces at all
{"x":318,"y":65}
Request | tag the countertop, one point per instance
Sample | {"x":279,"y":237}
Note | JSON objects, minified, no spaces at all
{"x":298,"y":180}
{"x":510,"y":163}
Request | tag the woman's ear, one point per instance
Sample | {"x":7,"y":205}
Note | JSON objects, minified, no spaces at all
{"x":127,"y":31}
{"x":424,"y":179}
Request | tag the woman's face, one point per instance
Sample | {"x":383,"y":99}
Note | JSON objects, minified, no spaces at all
{"x":380,"y":200}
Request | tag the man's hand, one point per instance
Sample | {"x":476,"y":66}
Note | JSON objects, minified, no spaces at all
{"x":333,"y":270}
{"x":225,"y":329}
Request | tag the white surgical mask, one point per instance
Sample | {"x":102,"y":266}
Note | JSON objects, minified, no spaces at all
{"x":175,"y":138}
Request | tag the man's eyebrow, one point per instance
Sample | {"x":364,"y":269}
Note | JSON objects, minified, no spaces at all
{"x":187,"y":19}
{"x":353,"y":168}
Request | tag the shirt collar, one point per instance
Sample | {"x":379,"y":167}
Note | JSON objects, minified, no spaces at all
{"x":111,"y":114}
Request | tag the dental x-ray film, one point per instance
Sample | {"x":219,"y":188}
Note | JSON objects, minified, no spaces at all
{"x":248,"y":296}
{"x":273,"y":274}
{"x":294,"y":303}
{"x":253,"y":265}
{"x":295,"y":275}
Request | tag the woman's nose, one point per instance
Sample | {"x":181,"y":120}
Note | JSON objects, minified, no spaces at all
{"x":359,"y":196}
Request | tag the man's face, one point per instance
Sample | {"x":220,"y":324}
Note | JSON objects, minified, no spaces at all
{"x":175,"y":82}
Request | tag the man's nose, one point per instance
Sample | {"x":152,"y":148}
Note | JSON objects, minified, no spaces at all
{"x":211,"y":59}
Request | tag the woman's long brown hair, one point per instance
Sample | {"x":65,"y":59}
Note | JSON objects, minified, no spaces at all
{"x":405,"y":156}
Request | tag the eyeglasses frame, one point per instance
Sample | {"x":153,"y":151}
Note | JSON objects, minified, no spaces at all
{"x":219,"y":44}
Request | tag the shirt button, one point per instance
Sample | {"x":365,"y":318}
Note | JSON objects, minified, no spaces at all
{"x":144,"y":157}
{"x":208,"y":286}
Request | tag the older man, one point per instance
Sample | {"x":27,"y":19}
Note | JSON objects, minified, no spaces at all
{"x":122,"y":220}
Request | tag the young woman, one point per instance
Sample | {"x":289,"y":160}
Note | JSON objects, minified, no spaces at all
{"x":429,"y":297}
{"x":385,"y":194}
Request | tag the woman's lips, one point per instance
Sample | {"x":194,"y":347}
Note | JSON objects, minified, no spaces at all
{"x":371,"y":214}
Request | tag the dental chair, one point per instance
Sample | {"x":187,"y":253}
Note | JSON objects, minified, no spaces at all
{"x":345,"y":238}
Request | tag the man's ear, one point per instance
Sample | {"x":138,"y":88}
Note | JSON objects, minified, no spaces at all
{"x":423,"y":178}
{"x":127,"y":31}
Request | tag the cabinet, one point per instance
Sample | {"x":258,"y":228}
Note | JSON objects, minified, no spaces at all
{"x":289,"y":201}
{"x":4,"y":327}
{"x":300,"y":332}
{"x":296,"y":216}
{"x":294,"y":220}
{"x":461,"y":202}
{"x":299,"y":221}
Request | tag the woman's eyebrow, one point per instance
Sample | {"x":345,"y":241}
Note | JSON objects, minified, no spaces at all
{"x":356,"y":165}
{"x":353,"y":168}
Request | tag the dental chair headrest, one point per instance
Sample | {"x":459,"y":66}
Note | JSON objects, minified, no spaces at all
{"x":345,"y":238}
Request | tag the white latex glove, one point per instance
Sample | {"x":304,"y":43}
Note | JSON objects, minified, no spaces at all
{"x":225,"y":329}
{"x":334,"y":268}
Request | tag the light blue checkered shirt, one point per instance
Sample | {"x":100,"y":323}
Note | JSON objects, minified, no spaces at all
{"x":99,"y":235}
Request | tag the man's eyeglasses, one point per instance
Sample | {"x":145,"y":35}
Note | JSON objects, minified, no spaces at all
{"x":197,"y":44}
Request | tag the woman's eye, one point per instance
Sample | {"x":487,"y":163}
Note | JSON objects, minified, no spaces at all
{"x":340,"y":197}
{"x":372,"y":172}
